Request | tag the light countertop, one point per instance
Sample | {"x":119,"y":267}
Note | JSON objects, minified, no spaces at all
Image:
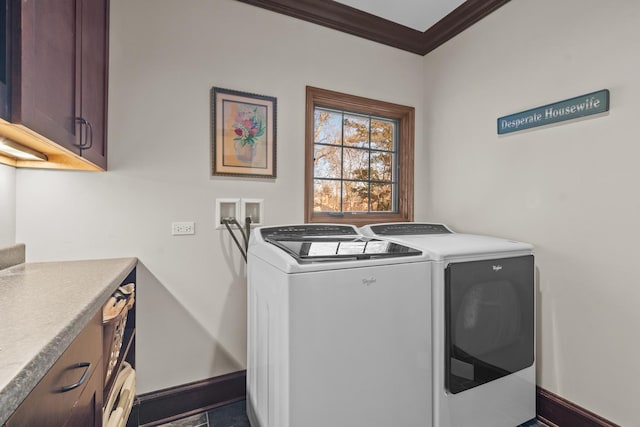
{"x":43,"y":307}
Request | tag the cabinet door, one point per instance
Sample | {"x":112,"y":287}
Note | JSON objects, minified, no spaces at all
{"x":93,"y":80}
{"x":45,"y":68}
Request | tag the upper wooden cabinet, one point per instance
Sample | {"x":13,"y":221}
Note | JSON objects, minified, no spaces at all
{"x":59,"y":63}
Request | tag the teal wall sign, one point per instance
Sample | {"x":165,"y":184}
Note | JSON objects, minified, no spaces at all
{"x":569,"y":109}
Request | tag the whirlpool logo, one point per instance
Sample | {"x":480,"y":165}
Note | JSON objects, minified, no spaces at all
{"x":496,"y":267}
{"x":369,"y":281}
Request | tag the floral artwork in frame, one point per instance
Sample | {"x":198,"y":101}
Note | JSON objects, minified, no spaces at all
{"x":244,"y":134}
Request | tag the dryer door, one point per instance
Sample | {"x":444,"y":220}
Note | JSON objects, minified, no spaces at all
{"x":489,"y":320}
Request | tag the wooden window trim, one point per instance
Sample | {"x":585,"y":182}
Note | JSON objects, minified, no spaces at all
{"x":406,"y":130}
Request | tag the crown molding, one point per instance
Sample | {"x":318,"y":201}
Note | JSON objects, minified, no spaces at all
{"x":461,"y":18}
{"x":341,"y":17}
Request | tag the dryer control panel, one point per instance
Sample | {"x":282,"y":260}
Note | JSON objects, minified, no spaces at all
{"x":409,"y":229}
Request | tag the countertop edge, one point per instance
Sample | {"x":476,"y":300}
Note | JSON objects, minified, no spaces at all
{"x":22,"y":384}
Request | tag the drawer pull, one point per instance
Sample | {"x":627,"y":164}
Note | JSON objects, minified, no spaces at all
{"x":86,"y":366}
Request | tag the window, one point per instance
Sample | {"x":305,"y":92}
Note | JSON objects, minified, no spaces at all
{"x":359,"y":159}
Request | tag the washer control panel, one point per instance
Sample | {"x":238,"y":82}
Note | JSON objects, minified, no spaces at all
{"x":308,"y":230}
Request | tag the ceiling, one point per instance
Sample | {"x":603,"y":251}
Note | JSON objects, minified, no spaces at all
{"x":417,"y":14}
{"x":417,"y":26}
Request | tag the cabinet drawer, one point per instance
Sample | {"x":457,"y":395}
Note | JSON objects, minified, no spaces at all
{"x":53,"y":399}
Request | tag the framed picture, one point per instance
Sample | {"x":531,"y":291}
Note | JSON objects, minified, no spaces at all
{"x":244,"y":134}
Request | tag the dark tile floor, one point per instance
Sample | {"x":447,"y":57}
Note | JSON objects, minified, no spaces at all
{"x":234,"y":415}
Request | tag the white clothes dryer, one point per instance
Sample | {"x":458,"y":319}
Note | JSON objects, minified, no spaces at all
{"x":483,"y":324}
{"x":339,"y":329}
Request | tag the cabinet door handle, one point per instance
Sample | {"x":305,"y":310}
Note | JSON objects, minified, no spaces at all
{"x":86,"y":133}
{"x":82,"y":122}
{"x":90,"y":143}
{"x":86,"y":366}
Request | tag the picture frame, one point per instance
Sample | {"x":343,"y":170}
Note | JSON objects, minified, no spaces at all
{"x":243,"y":128}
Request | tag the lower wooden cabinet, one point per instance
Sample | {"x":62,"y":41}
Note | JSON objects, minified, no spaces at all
{"x":72,"y":389}
{"x":73,"y":392}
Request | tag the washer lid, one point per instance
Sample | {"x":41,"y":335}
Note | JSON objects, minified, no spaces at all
{"x":303,"y":248}
{"x":319,"y":249}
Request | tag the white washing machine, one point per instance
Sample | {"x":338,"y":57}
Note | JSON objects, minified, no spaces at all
{"x":483,"y":324}
{"x":339,"y":330}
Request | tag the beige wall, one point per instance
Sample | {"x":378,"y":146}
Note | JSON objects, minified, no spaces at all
{"x":7,"y":206}
{"x":572,"y":189}
{"x":165,"y":56}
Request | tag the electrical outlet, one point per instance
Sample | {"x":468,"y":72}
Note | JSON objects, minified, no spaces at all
{"x":179,"y":228}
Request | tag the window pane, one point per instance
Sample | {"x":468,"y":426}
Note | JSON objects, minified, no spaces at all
{"x":356,"y":164}
{"x":381,"y":166}
{"x":327,"y":161}
{"x":381,"y":198}
{"x":327,"y":128}
{"x":326,"y":195}
{"x":382,"y":134}
{"x":356,"y":196}
{"x":356,"y":131}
